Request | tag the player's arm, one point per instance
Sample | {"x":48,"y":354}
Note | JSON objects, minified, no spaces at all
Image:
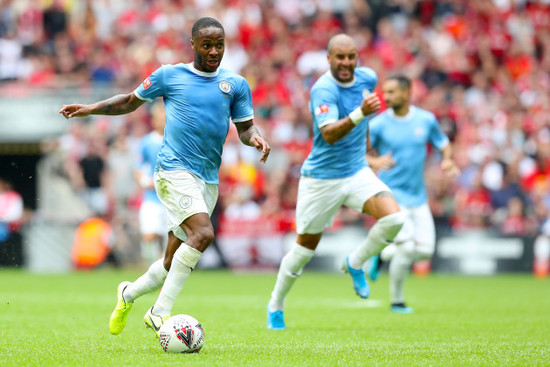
{"x":378,"y":162}
{"x":447,"y":163}
{"x":335,"y":131}
{"x":117,"y":105}
{"x":249,"y":135}
{"x":144,"y":180}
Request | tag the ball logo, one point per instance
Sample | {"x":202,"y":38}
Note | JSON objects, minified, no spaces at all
{"x":164,"y":340}
{"x":225,"y":86}
{"x":185,"y":202}
{"x":185,"y":334}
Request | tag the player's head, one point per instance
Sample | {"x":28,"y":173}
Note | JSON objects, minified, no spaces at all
{"x":397,"y":91}
{"x":208,"y":44}
{"x":342,"y":57}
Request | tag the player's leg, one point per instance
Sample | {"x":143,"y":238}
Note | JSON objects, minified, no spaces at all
{"x":152,"y":228}
{"x":128,"y":292}
{"x":189,"y":202}
{"x":389,"y":251}
{"x":416,"y":241}
{"x":318,"y":201}
{"x":399,"y":269}
{"x":289,"y":270}
{"x":369,"y":195}
{"x":424,"y":233}
{"x":182,"y":261}
{"x":155,"y":275}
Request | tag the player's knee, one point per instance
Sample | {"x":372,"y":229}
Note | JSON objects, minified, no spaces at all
{"x":392,"y":224}
{"x":202,"y":237}
{"x":424,"y":251}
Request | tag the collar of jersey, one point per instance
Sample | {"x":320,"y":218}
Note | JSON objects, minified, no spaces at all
{"x":344,"y":85}
{"x":203,"y":73}
{"x":401,"y":118}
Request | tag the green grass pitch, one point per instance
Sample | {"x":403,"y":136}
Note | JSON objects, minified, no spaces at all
{"x":49,"y":320}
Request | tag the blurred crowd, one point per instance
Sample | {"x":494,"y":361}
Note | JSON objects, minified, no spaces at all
{"x":483,"y":67}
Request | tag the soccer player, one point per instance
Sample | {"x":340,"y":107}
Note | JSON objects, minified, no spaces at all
{"x":400,"y":135}
{"x":153,"y":219}
{"x":199,"y":100}
{"x":336,"y":173}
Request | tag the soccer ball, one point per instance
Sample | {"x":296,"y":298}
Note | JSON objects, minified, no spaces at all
{"x":181,"y":334}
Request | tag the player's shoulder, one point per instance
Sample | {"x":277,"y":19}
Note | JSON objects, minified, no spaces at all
{"x":230,"y":79}
{"x":229,"y":75}
{"x":379,"y":118}
{"x":423,"y":114}
{"x":325,"y":82}
{"x":366,"y":74}
{"x":172,"y":68}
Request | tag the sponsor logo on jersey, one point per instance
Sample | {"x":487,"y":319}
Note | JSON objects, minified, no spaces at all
{"x":225,"y":86}
{"x":146,"y":83}
{"x":321,"y":109}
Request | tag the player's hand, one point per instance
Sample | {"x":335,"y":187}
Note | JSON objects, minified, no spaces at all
{"x":384,"y":162}
{"x":450,"y":168}
{"x":370,"y":104}
{"x":75,"y":110}
{"x":262,"y":146}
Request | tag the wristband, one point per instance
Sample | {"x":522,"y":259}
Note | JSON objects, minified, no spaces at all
{"x":356,"y":116}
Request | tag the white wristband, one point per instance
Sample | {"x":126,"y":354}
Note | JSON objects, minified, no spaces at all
{"x":356,"y":115}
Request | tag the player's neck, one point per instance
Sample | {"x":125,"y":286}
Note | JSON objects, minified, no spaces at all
{"x":401,"y":110}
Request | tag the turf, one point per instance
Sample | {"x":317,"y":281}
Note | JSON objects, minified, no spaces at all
{"x":48,"y":320}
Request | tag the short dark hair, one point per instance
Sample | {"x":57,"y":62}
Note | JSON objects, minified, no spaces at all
{"x":402,"y":81}
{"x":205,"y":22}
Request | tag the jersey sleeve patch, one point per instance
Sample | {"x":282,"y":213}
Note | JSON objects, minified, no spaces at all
{"x":146,"y":83}
{"x":321,"y":109}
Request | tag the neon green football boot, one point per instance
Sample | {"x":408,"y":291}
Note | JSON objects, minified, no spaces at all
{"x":121,"y":311}
{"x":154,"y":322}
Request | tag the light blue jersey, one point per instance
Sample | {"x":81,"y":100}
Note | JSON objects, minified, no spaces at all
{"x":406,"y":138}
{"x":330,"y":101}
{"x":198,"y":106}
{"x":149,"y":147}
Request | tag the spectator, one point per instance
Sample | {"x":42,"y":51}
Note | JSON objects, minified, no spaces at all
{"x":483,"y":67}
{"x":11,"y":214}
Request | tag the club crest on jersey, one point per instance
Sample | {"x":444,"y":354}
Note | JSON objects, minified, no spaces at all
{"x":225,"y":86}
{"x":321,"y":109}
{"x":419,"y":132}
{"x":146,"y":83}
{"x":366,"y":92}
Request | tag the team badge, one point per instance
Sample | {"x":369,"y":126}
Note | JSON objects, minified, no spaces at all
{"x":146,"y":83}
{"x":225,"y":86}
{"x":366,"y":92}
{"x":185,"y":202}
{"x":321,"y":109}
{"x":419,"y":132}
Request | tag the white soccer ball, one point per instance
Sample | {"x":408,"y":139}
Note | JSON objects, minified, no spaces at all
{"x":181,"y":334}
